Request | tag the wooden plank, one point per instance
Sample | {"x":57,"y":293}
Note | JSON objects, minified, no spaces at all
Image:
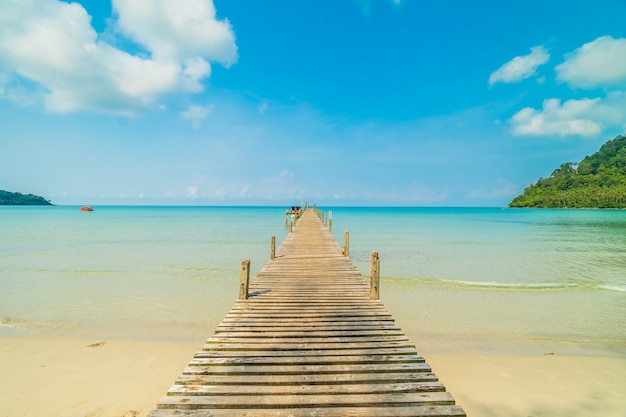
{"x":295,"y":401}
{"x":270,"y":346}
{"x":399,"y":411}
{"x":315,"y":333}
{"x":304,"y":330}
{"x":384,"y":388}
{"x":308,"y":321}
{"x":305,"y":369}
{"x":277,"y":342}
{"x":318,"y":352}
{"x":307,"y":379}
{"x":202,"y":360}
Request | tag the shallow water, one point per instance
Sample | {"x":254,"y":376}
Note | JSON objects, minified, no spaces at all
{"x":172,"y":272}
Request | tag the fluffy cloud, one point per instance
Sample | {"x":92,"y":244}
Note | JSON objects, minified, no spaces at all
{"x":600,"y":63}
{"x":574,"y":117}
{"x":177,"y":30}
{"x":52,"y":45}
{"x":520,"y":67}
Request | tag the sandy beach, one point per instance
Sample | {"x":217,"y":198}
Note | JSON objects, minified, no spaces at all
{"x":70,"y":377}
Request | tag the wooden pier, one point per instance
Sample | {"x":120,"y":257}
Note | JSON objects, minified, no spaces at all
{"x":307,"y":339}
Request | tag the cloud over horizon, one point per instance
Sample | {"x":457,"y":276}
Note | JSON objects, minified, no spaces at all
{"x":599,"y":63}
{"x":520,"y":67}
{"x":51,"y":54}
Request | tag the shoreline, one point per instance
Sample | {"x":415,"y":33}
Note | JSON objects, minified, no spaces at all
{"x":59,"y":376}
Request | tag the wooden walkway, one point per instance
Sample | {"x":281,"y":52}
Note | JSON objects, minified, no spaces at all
{"x":308,"y":342}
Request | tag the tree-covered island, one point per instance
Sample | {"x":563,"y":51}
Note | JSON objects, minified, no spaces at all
{"x":598,"y":181}
{"x":8,"y":198}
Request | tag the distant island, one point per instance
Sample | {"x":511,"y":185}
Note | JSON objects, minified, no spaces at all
{"x":598,"y":181}
{"x":8,"y":198}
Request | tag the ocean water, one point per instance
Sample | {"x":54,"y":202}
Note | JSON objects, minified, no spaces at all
{"x":447,"y":273}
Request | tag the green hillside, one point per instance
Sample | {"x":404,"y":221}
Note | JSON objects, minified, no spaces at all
{"x":598,"y":181}
{"x":8,"y":198}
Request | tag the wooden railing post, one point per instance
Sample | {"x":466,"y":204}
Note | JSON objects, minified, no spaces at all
{"x":273,"y":247}
{"x":374,"y":276}
{"x":330,"y":221}
{"x":244,"y":279}
{"x":346,"y":243}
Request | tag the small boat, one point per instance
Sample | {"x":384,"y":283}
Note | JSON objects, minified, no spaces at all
{"x":86,"y":208}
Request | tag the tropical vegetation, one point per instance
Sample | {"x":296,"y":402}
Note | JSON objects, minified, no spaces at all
{"x":8,"y":198}
{"x":598,"y":181}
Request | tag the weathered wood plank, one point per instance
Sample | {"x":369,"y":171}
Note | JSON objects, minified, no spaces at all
{"x":396,"y":411}
{"x":271,"y":346}
{"x":308,"y":379}
{"x":295,"y":401}
{"x":261,"y":352}
{"x":386,"y":388}
{"x":201,"y":360}
{"x":304,"y":330}
{"x":305,"y":341}
{"x":305,"y":369}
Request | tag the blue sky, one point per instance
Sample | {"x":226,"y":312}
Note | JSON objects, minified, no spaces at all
{"x":343,"y":102}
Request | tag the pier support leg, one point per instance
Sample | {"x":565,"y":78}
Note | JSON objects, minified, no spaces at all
{"x":346,"y":243}
{"x":374,"y":276}
{"x":273,"y":247}
{"x":244,"y":279}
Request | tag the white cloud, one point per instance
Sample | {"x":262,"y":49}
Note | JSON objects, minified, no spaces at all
{"x":520,"y":67}
{"x":574,"y":117}
{"x":585,"y":117}
{"x":53,"y":45}
{"x":192,"y":191}
{"x":286,"y":174}
{"x":599,"y":63}
{"x":177,"y":29}
{"x":196,"y":114}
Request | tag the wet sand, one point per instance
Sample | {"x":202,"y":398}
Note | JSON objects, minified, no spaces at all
{"x":69,"y":377}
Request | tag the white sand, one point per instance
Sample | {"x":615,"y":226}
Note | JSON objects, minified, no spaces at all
{"x":534,"y":386}
{"x":63,"y":377}
{"x":50,"y":377}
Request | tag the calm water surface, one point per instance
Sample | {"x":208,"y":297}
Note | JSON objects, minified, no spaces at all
{"x":172,"y":272}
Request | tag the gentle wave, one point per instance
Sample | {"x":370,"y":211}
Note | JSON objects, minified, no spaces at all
{"x":618,"y":288}
{"x":9,"y":323}
{"x":513,"y":286}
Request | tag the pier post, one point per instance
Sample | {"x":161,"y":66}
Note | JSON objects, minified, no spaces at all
{"x":374,"y":276}
{"x":346,"y":243}
{"x":273,"y":247}
{"x":244,"y":279}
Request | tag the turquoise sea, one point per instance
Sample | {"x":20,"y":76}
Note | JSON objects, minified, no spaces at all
{"x":451,"y":274}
